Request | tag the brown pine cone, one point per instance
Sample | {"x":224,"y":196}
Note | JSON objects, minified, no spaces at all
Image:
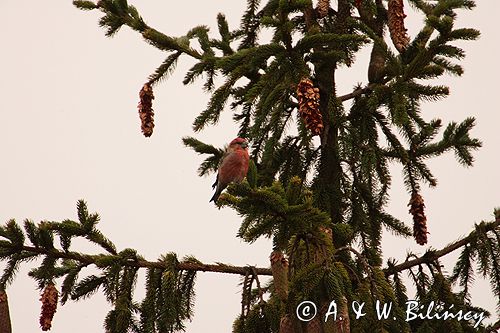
{"x":279,"y":268}
{"x":5,"y":326}
{"x":49,"y":306}
{"x":323,"y":8}
{"x":396,"y":24}
{"x":417,"y":207}
{"x":308,"y":97}
{"x":145,"y":107}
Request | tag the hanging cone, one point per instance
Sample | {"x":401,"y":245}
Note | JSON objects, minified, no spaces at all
{"x":279,"y":268}
{"x":397,"y":25}
{"x":286,"y":325}
{"x":323,"y":8}
{"x":5,"y":326}
{"x":417,"y":207}
{"x":146,"y":110}
{"x":308,"y":97}
{"x":49,"y":306}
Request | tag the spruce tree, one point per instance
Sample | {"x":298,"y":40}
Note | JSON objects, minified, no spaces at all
{"x":318,"y":181}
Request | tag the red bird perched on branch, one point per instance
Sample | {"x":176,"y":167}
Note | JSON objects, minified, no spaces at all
{"x":233,"y":166}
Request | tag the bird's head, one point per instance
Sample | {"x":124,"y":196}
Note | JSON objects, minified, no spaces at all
{"x":239,"y":142}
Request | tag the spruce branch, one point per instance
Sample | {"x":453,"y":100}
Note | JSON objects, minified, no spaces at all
{"x":432,"y":255}
{"x":358,"y":92}
{"x":211,"y":163}
{"x":361,"y":257}
{"x":493,"y":328}
{"x":100,"y":260}
{"x":165,"y":69}
{"x":120,"y":13}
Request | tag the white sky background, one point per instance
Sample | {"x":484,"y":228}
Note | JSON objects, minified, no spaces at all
{"x":69,"y":130}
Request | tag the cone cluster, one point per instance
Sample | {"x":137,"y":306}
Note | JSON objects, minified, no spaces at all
{"x":323,"y":8}
{"x":397,"y":25}
{"x":308,"y":97}
{"x":49,"y":306}
{"x":146,"y":110}
{"x":279,"y":268}
{"x":417,"y":207}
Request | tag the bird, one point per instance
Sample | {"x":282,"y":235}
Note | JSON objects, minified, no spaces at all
{"x":233,"y":166}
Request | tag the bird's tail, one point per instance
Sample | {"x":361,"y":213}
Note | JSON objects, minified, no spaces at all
{"x":217,"y":193}
{"x":216,"y":182}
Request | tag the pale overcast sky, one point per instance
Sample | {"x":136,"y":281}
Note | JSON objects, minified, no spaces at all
{"x":70,"y":130}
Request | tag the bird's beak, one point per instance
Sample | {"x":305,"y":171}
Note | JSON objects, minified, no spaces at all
{"x":244,"y":144}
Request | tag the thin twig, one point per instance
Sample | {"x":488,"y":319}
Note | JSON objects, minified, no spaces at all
{"x":357,"y":92}
{"x":361,"y":257}
{"x":495,"y":328}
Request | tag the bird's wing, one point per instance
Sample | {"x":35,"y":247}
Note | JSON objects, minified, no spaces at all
{"x":232,"y":167}
{"x":227,"y":151}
